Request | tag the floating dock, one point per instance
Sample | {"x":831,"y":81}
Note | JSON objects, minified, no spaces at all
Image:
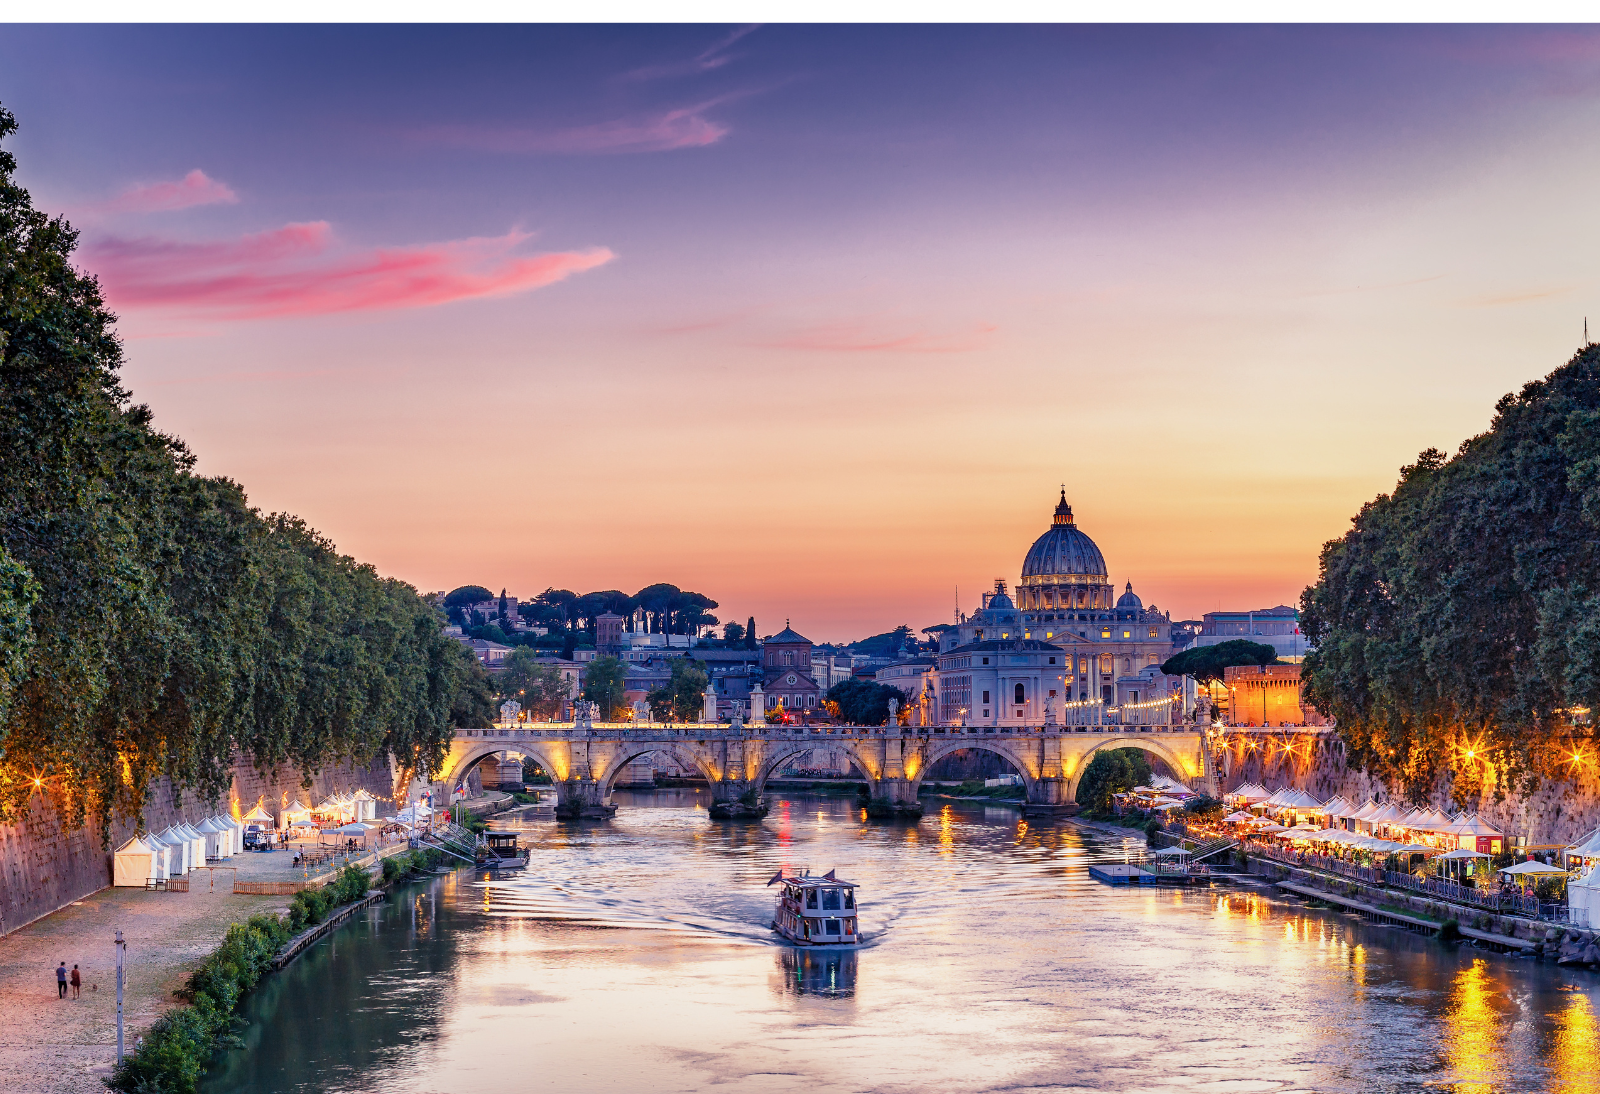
{"x":1122,"y":875}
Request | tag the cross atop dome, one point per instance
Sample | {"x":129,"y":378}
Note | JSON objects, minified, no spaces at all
{"x":1063,"y":510}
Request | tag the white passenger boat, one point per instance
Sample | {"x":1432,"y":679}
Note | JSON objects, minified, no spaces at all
{"x":816,"y":911}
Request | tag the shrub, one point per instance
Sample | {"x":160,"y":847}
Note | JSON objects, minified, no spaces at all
{"x":173,"y":1055}
{"x":1151,"y":827}
{"x":1449,"y":931}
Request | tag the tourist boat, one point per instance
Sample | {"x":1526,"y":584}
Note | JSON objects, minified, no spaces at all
{"x":500,"y":852}
{"x":816,"y":911}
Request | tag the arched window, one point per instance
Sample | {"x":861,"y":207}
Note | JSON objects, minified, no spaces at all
{"x":1019,"y":694}
{"x":788,"y":657}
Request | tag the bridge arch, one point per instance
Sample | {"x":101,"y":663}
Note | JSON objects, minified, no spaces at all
{"x":457,"y":765}
{"x":1152,"y":746}
{"x":687,"y":757}
{"x":779,"y":754}
{"x":939,"y":750}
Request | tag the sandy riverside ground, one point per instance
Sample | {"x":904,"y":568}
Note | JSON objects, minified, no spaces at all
{"x":51,"y":1046}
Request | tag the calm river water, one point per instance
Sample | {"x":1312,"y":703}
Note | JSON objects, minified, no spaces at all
{"x":634,"y":955}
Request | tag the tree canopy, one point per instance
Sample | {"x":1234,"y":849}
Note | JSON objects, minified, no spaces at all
{"x":540,"y":688}
{"x":864,"y":702}
{"x":1457,"y":623}
{"x":151,"y":622}
{"x":1112,"y":771}
{"x":604,"y":684}
{"x":467,"y":594}
{"x":1205,"y":663}
{"x":682,"y":697}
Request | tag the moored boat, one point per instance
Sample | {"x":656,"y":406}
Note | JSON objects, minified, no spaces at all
{"x":816,"y":911}
{"x":499,"y":851}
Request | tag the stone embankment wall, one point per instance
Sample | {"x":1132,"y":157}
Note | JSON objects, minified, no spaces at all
{"x":45,"y":865}
{"x":1558,"y":812}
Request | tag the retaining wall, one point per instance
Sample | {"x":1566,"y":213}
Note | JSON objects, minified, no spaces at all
{"x":45,"y":866}
{"x":1559,"y":812}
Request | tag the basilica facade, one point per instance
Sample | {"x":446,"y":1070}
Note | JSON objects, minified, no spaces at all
{"x":1066,"y":647}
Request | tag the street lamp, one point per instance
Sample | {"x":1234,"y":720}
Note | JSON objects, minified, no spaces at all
{"x":121,"y":946}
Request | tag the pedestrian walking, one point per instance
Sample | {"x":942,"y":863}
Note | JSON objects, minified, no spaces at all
{"x":61,"y":980}
{"x":77,"y":983}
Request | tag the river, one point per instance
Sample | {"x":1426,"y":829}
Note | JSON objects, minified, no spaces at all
{"x":634,"y":956}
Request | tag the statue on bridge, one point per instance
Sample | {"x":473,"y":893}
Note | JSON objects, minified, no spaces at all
{"x":1050,"y":710}
{"x":894,"y":711}
{"x":509,"y":711}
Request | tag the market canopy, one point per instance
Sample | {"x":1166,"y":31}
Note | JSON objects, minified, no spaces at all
{"x":354,"y":828}
{"x":1540,"y":869}
{"x":258,"y":815}
{"x":1461,"y":854}
{"x":1365,"y":812}
{"x":1170,"y":852}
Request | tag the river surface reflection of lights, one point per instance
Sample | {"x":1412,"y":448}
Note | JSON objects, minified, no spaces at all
{"x":1472,"y":1032}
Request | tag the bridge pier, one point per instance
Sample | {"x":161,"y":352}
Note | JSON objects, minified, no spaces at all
{"x":578,"y":798}
{"x":895,"y":796}
{"x":1050,"y":797}
{"x":736,"y":799}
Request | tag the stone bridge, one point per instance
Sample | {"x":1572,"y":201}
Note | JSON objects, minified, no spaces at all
{"x":584,"y":760}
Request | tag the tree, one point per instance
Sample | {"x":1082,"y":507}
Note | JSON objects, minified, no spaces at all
{"x":885,"y":645}
{"x":467,"y":594}
{"x":1457,"y":622}
{"x":152,"y":624}
{"x":541,"y":688}
{"x":682,"y":697}
{"x":559,"y":604}
{"x":864,"y":702}
{"x":1112,"y":771}
{"x":604,"y":685}
{"x":489,"y":633}
{"x":732,"y":633}
{"x":750,"y":634}
{"x":1206,"y":663}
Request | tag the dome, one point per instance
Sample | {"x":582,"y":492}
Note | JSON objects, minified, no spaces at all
{"x":1001,"y":601}
{"x":1064,"y":549}
{"x":1129,"y":599}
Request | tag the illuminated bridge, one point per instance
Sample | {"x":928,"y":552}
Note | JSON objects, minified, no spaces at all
{"x":585,"y":758}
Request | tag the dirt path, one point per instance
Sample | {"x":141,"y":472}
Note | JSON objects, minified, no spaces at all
{"x":51,"y":1046}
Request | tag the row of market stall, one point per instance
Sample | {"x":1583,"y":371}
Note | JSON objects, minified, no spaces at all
{"x":334,"y":810}
{"x":1459,"y":848}
{"x":173,"y":853}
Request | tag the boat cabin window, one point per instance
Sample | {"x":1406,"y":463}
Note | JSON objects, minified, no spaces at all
{"x":832,"y":926}
{"x":830,"y":900}
{"x":811,"y":898}
{"x":849,"y":898}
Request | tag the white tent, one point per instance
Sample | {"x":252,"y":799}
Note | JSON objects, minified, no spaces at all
{"x":295,"y":811}
{"x":260,"y":816}
{"x":1459,"y":854}
{"x":134,"y":863}
{"x":1170,"y":852}
{"x":366,"y":806}
{"x":1583,"y":900}
{"x":197,"y":844}
{"x":219,"y":837}
{"x":1537,"y":869}
{"x":354,"y":828}
{"x":235,"y":833}
{"x":180,"y":848}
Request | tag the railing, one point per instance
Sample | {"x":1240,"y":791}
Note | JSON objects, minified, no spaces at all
{"x":703,"y":730}
{"x":1439,"y":888}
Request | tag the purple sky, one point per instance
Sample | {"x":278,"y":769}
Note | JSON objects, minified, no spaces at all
{"x":814,"y":320}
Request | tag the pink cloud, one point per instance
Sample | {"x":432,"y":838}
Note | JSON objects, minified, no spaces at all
{"x":295,"y":270}
{"x":863,"y":338}
{"x":713,"y":57}
{"x":686,"y":127}
{"x":195,"y":188}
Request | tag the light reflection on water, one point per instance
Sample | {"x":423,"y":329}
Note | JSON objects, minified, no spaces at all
{"x":635,"y":955}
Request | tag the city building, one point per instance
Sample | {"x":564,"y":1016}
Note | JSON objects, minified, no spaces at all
{"x":1066,"y":640}
{"x":1267,"y":695}
{"x":786,"y":679}
{"x":1276,"y":627}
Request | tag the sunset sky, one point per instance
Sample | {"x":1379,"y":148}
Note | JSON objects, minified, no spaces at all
{"x":815,"y":320}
